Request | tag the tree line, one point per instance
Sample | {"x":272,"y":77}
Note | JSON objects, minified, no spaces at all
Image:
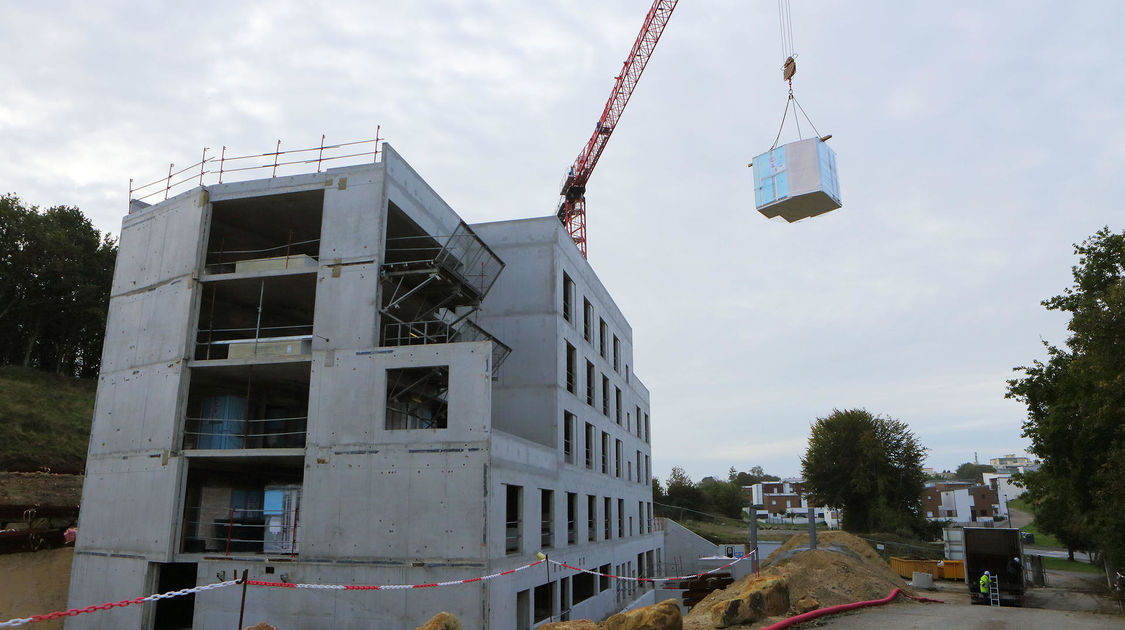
{"x":708,"y":496}
{"x":55,"y":275}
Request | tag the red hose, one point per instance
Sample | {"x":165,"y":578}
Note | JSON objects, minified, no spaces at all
{"x":831,"y":610}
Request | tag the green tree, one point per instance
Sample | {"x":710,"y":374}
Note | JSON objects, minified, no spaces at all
{"x":55,"y":276}
{"x":969,"y":470}
{"x":870,"y":467}
{"x":723,"y":497}
{"x":681,"y":492}
{"x":755,"y":475}
{"x":1076,"y":406}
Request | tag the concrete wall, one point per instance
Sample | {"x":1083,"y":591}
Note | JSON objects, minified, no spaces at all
{"x":684,"y":548}
{"x":130,"y":500}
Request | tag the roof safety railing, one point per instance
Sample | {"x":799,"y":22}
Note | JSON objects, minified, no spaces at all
{"x":225,"y":165}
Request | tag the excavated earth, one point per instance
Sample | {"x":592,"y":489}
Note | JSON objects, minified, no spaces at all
{"x":841,"y":570}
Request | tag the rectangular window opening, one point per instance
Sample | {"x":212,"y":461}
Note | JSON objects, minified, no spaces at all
{"x":571,"y":518}
{"x":587,"y":321}
{"x":607,"y":519}
{"x":568,"y":298}
{"x":590,"y":436}
{"x":603,"y":334}
{"x":605,"y":397}
{"x":591,"y":518}
{"x":571,"y":369}
{"x":547,"y":518}
{"x":417,"y":398}
{"x":569,"y":420}
{"x":513,"y":518}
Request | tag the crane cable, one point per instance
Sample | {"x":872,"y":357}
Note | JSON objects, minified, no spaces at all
{"x":788,"y":69}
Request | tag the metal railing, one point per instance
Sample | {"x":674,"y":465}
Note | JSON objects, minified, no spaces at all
{"x":547,"y":533}
{"x":416,"y":333}
{"x":234,"y":434}
{"x":216,"y":343}
{"x":512,"y":534}
{"x":301,"y":255}
{"x":224,"y":165}
{"x":244,"y":530}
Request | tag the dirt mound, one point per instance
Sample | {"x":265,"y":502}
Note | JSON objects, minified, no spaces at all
{"x":842,"y":569}
{"x":45,"y":489}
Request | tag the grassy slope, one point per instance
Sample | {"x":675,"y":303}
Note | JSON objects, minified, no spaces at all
{"x":44,"y":420}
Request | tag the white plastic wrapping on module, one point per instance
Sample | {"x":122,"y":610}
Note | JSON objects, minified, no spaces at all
{"x":796,"y":181}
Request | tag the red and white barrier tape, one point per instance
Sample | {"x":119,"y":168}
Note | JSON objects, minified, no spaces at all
{"x":340,"y":587}
{"x":642,"y":579}
{"x":127,"y":602}
{"x":390,"y":587}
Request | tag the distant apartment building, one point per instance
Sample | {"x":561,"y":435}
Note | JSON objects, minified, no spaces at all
{"x":961,"y":502}
{"x":1012,"y":464}
{"x":786,"y":501}
{"x":331,"y":378}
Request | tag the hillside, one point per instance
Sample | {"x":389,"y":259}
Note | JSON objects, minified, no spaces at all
{"x":44,"y":420}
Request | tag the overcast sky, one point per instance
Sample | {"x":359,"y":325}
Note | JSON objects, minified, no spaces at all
{"x":976,"y":143}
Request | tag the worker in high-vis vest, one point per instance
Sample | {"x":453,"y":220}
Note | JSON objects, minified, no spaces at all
{"x":985,"y":582}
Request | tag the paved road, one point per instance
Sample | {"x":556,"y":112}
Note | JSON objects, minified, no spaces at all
{"x":916,"y":616}
{"x":1079,"y":556}
{"x":1019,"y":517}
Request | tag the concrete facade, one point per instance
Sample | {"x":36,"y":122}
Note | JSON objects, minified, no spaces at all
{"x":297,"y":382}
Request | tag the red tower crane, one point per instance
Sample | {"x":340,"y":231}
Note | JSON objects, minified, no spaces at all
{"x":572,"y":206}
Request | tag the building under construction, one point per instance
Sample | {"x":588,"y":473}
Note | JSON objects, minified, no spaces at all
{"x":331,"y":378}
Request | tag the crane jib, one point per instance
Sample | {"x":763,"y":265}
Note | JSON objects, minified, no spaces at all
{"x":572,"y":208}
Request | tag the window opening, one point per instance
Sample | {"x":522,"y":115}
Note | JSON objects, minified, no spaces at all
{"x":247,"y":406}
{"x":605,"y":396}
{"x":607,"y":518}
{"x":603,"y":337}
{"x":417,"y":398}
{"x":513,"y":518}
{"x":571,"y":518}
{"x":544,"y":601}
{"x":547,"y":518}
{"x":568,"y":298}
{"x":571,"y":369}
{"x":569,"y":421}
{"x":587,"y":321}
{"x":275,"y":232}
{"x":591,"y":518}
{"x":589,"y":443}
{"x":605,"y":453}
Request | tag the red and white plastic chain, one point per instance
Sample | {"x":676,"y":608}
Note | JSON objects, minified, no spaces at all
{"x":641,"y":579}
{"x":126,"y":602}
{"x":390,"y":587}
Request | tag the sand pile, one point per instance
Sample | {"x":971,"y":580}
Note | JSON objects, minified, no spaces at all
{"x":842,"y":569}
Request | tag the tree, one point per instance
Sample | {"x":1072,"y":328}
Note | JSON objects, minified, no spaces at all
{"x":681,"y":492}
{"x":970,"y":470}
{"x":755,"y":475}
{"x":722,"y":497}
{"x":870,"y":467}
{"x":55,"y":276}
{"x":1076,"y":406}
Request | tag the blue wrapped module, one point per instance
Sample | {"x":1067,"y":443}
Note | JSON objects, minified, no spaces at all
{"x":796,"y":181}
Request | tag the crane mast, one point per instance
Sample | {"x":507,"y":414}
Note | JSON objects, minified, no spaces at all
{"x":572,"y":206}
